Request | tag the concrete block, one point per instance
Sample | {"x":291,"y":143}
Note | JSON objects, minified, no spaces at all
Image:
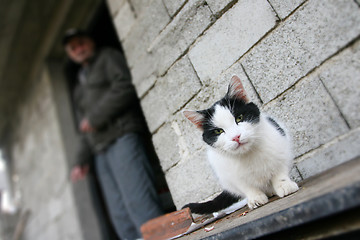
{"x":309,"y":113}
{"x":341,"y":76}
{"x":224,"y":80}
{"x":192,"y":180}
{"x":154,"y":108}
{"x":170,"y":93}
{"x":182,"y":155}
{"x":231,"y":36}
{"x":140,"y":6}
{"x":180,"y":84}
{"x":167,"y":146}
{"x":215,"y":89}
{"x":143,"y":69}
{"x":284,"y":8}
{"x":340,"y":150}
{"x":177,"y":141}
{"x":302,"y":43}
{"x":183,"y":30}
{"x":145,"y":30}
{"x":295,"y":174}
{"x":216,"y":6}
{"x":124,"y":20}
{"x":173,"y":6}
{"x":114,"y":6}
{"x":143,"y":86}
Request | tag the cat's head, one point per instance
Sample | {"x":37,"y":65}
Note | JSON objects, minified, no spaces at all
{"x":230,"y":125}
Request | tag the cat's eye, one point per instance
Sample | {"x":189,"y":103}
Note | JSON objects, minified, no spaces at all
{"x":218,"y":131}
{"x":240,"y":118}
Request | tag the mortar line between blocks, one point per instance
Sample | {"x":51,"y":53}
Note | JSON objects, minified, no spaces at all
{"x":158,"y":128}
{"x":278,"y":24}
{"x":257,"y":94}
{"x":298,"y":170}
{"x":212,"y":22}
{"x":294,"y":11}
{"x":149,"y":89}
{"x":313,"y":70}
{"x":278,"y":16}
{"x":132,"y":8}
{"x":335,"y":103}
{"x":324,"y":145}
{"x":192,"y":98}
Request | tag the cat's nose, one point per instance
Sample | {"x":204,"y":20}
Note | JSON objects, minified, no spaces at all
{"x":236,"y":139}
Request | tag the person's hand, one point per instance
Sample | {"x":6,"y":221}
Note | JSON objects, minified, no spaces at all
{"x":79,"y":173}
{"x":85,"y":126}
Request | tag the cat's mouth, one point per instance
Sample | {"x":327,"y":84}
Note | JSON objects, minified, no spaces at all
{"x":240,"y":144}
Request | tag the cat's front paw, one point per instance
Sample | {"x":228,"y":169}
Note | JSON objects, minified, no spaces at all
{"x":257,"y":200}
{"x":284,"y":188}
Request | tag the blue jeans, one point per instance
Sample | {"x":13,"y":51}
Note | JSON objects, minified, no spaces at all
{"x":126,"y":180}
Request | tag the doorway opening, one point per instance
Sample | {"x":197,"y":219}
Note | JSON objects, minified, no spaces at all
{"x":101,"y":28}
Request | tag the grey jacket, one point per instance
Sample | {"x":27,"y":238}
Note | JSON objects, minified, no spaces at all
{"x":107,"y":98}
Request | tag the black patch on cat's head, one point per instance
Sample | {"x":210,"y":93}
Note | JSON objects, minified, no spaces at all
{"x":208,"y":128}
{"x":250,"y":111}
{"x":237,"y":107}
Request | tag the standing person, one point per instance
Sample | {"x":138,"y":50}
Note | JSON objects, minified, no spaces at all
{"x":111,"y":123}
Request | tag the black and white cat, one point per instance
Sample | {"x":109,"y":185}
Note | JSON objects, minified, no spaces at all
{"x":249,"y":152}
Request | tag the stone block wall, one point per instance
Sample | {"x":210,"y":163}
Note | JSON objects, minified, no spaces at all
{"x":39,"y":161}
{"x":298,"y":60}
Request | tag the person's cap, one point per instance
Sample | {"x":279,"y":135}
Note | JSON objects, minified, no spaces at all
{"x":73,"y":32}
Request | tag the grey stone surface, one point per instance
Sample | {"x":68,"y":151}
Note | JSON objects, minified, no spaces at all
{"x":182,"y":154}
{"x":140,"y":6}
{"x":339,"y":150}
{"x":309,"y":114}
{"x":221,"y":84}
{"x":172,"y":42}
{"x":124,"y":20}
{"x":148,"y":25}
{"x":284,"y":7}
{"x":167,"y":146}
{"x":144,"y":85}
{"x":174,"y":6}
{"x":192,"y":181}
{"x":214,"y":90}
{"x":216,"y":6}
{"x":170,"y":93}
{"x":177,"y":141}
{"x":154,"y":108}
{"x":114,"y":5}
{"x":231,"y":36}
{"x":302,"y":43}
{"x":144,"y":71}
{"x":41,"y":166}
{"x":341,"y":76}
{"x":295,"y":174}
{"x":181,"y":84}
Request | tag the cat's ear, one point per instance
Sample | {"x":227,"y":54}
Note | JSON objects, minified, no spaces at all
{"x":195,"y":117}
{"x":237,"y":90}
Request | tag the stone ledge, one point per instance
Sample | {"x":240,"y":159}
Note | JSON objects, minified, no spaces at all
{"x":333,"y":196}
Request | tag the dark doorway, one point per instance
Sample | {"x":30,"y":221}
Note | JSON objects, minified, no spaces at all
{"x":102,"y":30}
